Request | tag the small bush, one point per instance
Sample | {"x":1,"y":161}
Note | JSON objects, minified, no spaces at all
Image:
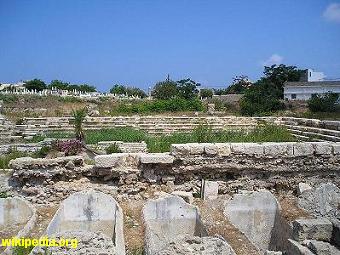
{"x":5,"y":159}
{"x":113,"y":148}
{"x":21,"y":250}
{"x":4,"y":194}
{"x":323,"y":103}
{"x":42,"y":153}
{"x":203,"y":134}
{"x":158,"y":106}
{"x":69,"y":147}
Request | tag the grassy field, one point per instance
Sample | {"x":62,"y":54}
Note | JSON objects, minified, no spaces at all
{"x":202,"y":134}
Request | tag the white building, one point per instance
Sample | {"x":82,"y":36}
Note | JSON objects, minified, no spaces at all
{"x":311,"y":83}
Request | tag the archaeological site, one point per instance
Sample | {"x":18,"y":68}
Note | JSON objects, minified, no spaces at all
{"x":169,"y":127}
{"x":197,"y":198}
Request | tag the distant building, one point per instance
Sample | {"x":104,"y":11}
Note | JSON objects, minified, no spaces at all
{"x":311,"y":83}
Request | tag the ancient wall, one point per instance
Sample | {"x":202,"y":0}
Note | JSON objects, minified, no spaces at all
{"x":252,"y":164}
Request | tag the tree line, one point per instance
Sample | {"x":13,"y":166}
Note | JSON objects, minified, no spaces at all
{"x":39,"y":85}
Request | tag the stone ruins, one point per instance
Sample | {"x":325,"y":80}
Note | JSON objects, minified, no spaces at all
{"x":199,"y":198}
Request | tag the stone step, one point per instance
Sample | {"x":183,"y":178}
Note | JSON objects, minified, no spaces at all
{"x":316,"y":135}
{"x":315,"y":130}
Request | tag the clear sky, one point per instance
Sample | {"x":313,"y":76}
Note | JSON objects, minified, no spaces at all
{"x":139,"y":42}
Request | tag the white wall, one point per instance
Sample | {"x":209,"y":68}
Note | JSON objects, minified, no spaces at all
{"x":305,"y":92}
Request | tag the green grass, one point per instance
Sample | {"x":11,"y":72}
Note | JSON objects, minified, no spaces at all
{"x":5,"y":159}
{"x":114,"y":134}
{"x":202,"y":134}
{"x":267,"y":133}
{"x":21,"y":250}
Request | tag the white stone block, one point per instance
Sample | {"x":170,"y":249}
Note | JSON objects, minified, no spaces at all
{"x":156,"y":158}
{"x":303,"y":149}
{"x":247,"y":148}
{"x":209,"y":190}
{"x":278,"y":149}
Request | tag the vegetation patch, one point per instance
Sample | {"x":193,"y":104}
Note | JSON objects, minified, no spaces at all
{"x":202,"y":134}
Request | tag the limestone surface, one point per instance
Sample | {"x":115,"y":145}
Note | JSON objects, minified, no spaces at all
{"x":90,"y":211}
{"x":318,"y":229}
{"x":323,"y":201}
{"x":254,"y":214}
{"x":194,"y":245}
{"x":165,"y":219}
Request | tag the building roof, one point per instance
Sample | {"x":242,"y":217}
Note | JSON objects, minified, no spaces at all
{"x":312,"y":83}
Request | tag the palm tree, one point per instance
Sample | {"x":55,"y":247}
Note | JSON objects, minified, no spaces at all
{"x":79,"y":117}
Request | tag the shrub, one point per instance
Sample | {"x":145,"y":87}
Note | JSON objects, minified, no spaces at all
{"x":165,"y":90}
{"x":323,"y":103}
{"x":42,"y":153}
{"x":5,"y":159}
{"x":158,"y":106}
{"x":203,"y":134}
{"x":206,"y":93}
{"x":4,"y":194}
{"x":69,"y":147}
{"x":79,"y":117}
{"x":113,"y":148}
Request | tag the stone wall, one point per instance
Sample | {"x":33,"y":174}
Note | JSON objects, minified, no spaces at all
{"x":236,"y":166}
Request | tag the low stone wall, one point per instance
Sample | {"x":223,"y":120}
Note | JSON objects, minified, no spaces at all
{"x":187,"y":161}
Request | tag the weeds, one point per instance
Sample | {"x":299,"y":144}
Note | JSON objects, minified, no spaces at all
{"x":5,"y":159}
{"x":202,"y":134}
{"x":113,"y":148}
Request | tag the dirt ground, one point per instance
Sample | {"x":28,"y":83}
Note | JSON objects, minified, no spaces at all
{"x":217,"y":224}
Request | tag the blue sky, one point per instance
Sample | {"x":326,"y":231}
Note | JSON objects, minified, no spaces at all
{"x":138,"y":43}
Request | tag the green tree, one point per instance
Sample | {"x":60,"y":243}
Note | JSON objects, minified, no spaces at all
{"x":324,"y":103}
{"x":87,"y":88}
{"x":165,"y":90}
{"x":206,"y":93}
{"x":187,"y":88}
{"x":59,"y":85}
{"x":265,"y":95}
{"x":277,"y":75}
{"x":118,"y":90}
{"x":35,"y":84}
{"x":240,"y":85}
{"x":258,"y":100}
{"x":132,"y":91}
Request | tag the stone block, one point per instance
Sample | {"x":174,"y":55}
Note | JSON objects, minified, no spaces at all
{"x":318,"y":229}
{"x":247,"y":148}
{"x":255,"y":214}
{"x":278,"y":149}
{"x":223,"y":149}
{"x":196,"y":148}
{"x":211,"y":149}
{"x":108,"y":161}
{"x":117,"y":160}
{"x":322,"y":201}
{"x":187,"y":196}
{"x":209,"y":190}
{"x":336,"y":232}
{"x":90,"y":211}
{"x":321,"y":248}
{"x":303,"y":149}
{"x":156,"y":158}
{"x":294,"y":248}
{"x":180,"y":149}
{"x":273,"y":253}
{"x":302,"y":187}
{"x":336,"y":148}
{"x":323,"y":148}
{"x":167,"y":218}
